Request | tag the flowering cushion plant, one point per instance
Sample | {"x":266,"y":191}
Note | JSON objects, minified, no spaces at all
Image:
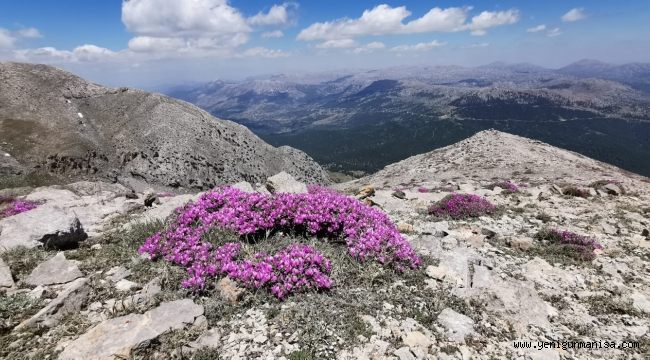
{"x":581,"y":247}
{"x":462,"y":206}
{"x":368,"y":233}
{"x":16,"y":206}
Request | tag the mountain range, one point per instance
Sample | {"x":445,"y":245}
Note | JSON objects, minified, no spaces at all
{"x":53,"y":122}
{"x":364,"y":120}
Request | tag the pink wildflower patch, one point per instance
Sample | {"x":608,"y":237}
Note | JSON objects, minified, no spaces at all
{"x":462,"y":206}
{"x":369,"y":236}
{"x":581,"y":246}
{"x":16,"y":206}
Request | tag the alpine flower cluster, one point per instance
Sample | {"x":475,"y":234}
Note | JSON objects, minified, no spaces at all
{"x":508,"y":186}
{"x":462,"y":206}
{"x":16,"y":206}
{"x":368,"y":233}
{"x":583,"y":246}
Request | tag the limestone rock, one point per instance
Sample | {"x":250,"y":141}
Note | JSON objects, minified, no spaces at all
{"x":458,"y":326}
{"x":416,"y":339}
{"x":70,"y":301}
{"x":365,"y":192}
{"x":244,"y":186}
{"x":56,"y":270}
{"x":285,"y":183}
{"x":6,"y":279}
{"x":49,"y":226}
{"x":150,"y":197}
{"x":116,"y":337}
{"x":229,"y":290}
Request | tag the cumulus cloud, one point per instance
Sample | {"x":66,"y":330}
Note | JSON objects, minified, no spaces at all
{"x":369,"y":47}
{"x":184,"y":25}
{"x":9,"y":38}
{"x":384,"y":19}
{"x":478,"y":45}
{"x":536,"y":29}
{"x":337,"y":44}
{"x":277,"y":15}
{"x":574,"y":14}
{"x":487,"y":19}
{"x":261,"y":52}
{"x":83,"y":53}
{"x":553,"y":32}
{"x":275,"y":34}
{"x":423,"y":46}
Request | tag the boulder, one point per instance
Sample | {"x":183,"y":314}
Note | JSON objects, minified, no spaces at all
{"x":6,"y":280}
{"x":229,"y":290}
{"x":150,"y":197}
{"x":114,"y":338}
{"x":458,"y":326}
{"x":612,"y":189}
{"x":365,"y":192}
{"x":57,"y":270}
{"x":285,"y":183}
{"x":69,"y":301}
{"x":49,"y":226}
{"x":244,"y":186}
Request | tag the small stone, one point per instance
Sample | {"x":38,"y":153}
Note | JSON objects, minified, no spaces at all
{"x":56,"y":270}
{"x":641,"y":302}
{"x":608,"y":229}
{"x":229,"y":290}
{"x":405,"y":228}
{"x":612,"y":189}
{"x":399,"y":194}
{"x":365,"y":192}
{"x":6,"y":280}
{"x":520,"y":243}
{"x":150,"y":198}
{"x":436,"y":272}
{"x":285,"y":183}
{"x":458,"y":326}
{"x":244,"y":186}
{"x":416,"y":339}
{"x":96,"y":247}
{"x":37,"y":292}
{"x":404,"y":353}
{"x":118,"y":273}
{"x":126,"y":285}
{"x":260,"y":339}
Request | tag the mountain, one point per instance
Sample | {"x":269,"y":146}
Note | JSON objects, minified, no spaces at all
{"x":557,"y":245}
{"x":637,"y":75}
{"x":365,"y":120}
{"x":53,"y":121}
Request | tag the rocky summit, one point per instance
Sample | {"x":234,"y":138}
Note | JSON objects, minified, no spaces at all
{"x":514,"y":241}
{"x":53,"y":123}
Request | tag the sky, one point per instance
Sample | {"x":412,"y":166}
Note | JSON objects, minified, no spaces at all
{"x":152,"y":43}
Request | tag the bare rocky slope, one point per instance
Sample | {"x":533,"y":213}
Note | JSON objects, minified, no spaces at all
{"x":54,"y":121}
{"x":486,"y":283}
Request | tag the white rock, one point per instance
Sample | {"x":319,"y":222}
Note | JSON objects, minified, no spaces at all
{"x":458,"y":326}
{"x":126,"y":285}
{"x":244,"y":186}
{"x":70,"y":301}
{"x":285,"y":183}
{"x":6,"y":280}
{"x":56,"y":270}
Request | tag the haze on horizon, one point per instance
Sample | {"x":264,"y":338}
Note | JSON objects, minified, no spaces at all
{"x":148,"y":43}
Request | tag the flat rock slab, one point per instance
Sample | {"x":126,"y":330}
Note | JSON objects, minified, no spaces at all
{"x":50,"y":226}
{"x":6,"y":280}
{"x":116,"y":337}
{"x":285,"y":183}
{"x":69,"y":301}
{"x":57,"y":270}
{"x":458,"y":326}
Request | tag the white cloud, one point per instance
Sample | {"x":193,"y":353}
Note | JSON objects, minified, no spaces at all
{"x":83,"y":53}
{"x":186,"y":26}
{"x":272,"y":34}
{"x":419,"y":46}
{"x":554,"y":32}
{"x":537,"y":28}
{"x":7,"y":40}
{"x":384,"y":19}
{"x":574,"y":14}
{"x":261,"y":52}
{"x":337,"y":44}
{"x":277,"y":15}
{"x":478,"y":45}
{"x":369,"y":47}
{"x":29,"y":33}
{"x":487,"y":19}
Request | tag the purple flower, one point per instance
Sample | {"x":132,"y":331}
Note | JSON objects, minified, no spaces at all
{"x":17,"y":206}
{"x":369,"y":235}
{"x":462,"y":206}
{"x":584,"y":246}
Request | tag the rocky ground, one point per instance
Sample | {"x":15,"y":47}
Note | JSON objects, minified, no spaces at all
{"x":75,"y":287}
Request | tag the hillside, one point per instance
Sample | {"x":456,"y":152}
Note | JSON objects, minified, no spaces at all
{"x":57,"y":123}
{"x":370,"y":119}
{"x":482,"y":249}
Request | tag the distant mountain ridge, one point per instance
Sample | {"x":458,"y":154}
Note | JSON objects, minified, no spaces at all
{"x":365,"y":120}
{"x":54,"y":121}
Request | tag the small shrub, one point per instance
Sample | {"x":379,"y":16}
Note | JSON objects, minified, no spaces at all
{"x":576,"y":246}
{"x":574,"y":191}
{"x":462,"y":206}
{"x":423,"y":190}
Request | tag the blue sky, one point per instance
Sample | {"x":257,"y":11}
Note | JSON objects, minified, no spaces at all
{"x":152,"y":42}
